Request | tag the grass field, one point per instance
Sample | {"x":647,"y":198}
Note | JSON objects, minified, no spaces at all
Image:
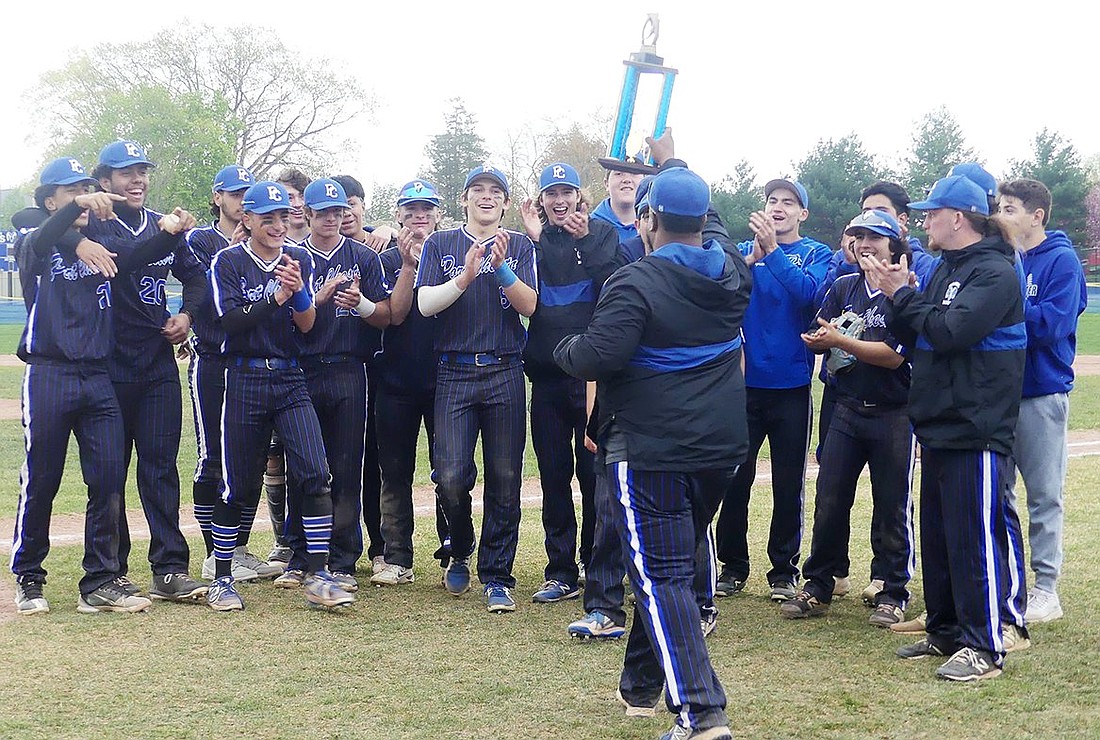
{"x":416,"y":663}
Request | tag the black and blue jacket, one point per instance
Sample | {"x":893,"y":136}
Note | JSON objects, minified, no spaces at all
{"x":664,"y":346}
{"x":969,"y":338}
{"x":571,"y":274}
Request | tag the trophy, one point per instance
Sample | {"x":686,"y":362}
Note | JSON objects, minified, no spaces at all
{"x":646,"y":78}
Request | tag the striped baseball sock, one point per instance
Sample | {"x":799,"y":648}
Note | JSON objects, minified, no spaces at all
{"x":248,"y":517}
{"x":224,"y":529}
{"x":205,"y":494}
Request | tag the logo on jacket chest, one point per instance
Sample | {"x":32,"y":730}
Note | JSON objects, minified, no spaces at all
{"x":1032,"y":289}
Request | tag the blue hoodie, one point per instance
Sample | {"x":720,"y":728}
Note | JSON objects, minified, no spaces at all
{"x":604,"y":213}
{"x":781,"y":307}
{"x":1054,"y":296}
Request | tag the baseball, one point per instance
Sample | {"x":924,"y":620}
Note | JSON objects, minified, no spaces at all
{"x":171,"y":222}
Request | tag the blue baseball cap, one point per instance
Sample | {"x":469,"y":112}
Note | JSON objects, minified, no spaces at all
{"x":419,"y":191}
{"x":641,"y":195}
{"x":64,"y":171}
{"x":232,"y":178}
{"x":879,"y":222}
{"x":559,"y":173}
{"x":120,"y":154}
{"x":679,"y":192}
{"x":976,"y":174}
{"x":793,"y":185}
{"x":324,"y":192}
{"x":265,"y":197}
{"x":955,"y":191}
{"x":487,"y":170}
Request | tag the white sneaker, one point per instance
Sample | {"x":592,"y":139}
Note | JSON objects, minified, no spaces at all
{"x":392,"y":575}
{"x":841,"y":586}
{"x":1014,"y":638}
{"x":240,"y":571}
{"x":377,"y":563}
{"x":873,"y":589}
{"x":1042,"y":606}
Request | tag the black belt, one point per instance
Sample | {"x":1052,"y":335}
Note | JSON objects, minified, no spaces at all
{"x":477,"y":359}
{"x":266,"y":363}
{"x":315,"y":360}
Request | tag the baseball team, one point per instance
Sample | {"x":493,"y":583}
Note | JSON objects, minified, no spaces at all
{"x":660,"y":355}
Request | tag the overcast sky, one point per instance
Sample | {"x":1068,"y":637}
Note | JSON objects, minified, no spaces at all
{"x":762,"y":82}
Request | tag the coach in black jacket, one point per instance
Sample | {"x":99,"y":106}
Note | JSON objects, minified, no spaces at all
{"x":664,"y":346}
{"x":967,"y":327}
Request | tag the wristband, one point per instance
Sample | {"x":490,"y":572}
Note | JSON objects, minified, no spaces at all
{"x":505,"y":276}
{"x":366,"y":307}
{"x":301,"y":301}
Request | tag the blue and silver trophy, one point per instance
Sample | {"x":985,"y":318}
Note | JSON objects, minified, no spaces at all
{"x":644,"y":69}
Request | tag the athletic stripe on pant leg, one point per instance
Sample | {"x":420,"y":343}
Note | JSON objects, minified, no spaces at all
{"x":1016,"y":576}
{"x":910,"y":519}
{"x":24,"y":472}
{"x":992,"y":595}
{"x":226,"y":493}
{"x":802,"y":490}
{"x":712,"y":561}
{"x":196,"y":407}
{"x":624,"y":478}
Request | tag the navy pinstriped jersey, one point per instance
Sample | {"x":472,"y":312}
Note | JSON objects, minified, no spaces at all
{"x":203,"y":243}
{"x":407,"y":360}
{"x":239,"y":277}
{"x":140,"y":300}
{"x":482,"y":319}
{"x":68,"y":305}
{"x":861,"y":381}
{"x":337,"y":330}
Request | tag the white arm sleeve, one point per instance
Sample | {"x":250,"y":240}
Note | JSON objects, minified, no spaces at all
{"x":432,"y":299}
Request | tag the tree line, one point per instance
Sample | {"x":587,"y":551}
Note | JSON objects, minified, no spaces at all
{"x":202,"y":97}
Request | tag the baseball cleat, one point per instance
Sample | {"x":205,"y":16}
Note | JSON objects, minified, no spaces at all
{"x":223,"y":596}
{"x":29,"y":598}
{"x":322,"y":590}
{"x":111,"y":597}
{"x":177,"y":587}
{"x":596,"y":625}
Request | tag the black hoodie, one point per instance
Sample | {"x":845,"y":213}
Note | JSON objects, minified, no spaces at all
{"x":664,"y":345}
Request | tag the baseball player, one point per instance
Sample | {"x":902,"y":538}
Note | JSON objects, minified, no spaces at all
{"x":348,"y":287}
{"x":870,"y":428}
{"x":66,"y":345}
{"x":143,"y":366}
{"x":664,"y":346}
{"x":969,"y":337}
{"x":787,"y":270}
{"x":262,"y":295}
{"x":370,"y":344}
{"x":478,"y":280}
{"x":575,"y":255}
{"x":406,"y":369}
{"x":1055,"y":295}
{"x":206,"y":372}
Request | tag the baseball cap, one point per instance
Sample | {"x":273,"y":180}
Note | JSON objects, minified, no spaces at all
{"x":64,"y":171}
{"x":419,"y":191}
{"x":641,"y":195}
{"x":487,"y":170}
{"x":232,"y":178}
{"x":324,"y":192}
{"x":119,"y":154}
{"x":955,"y":191}
{"x":679,"y":192}
{"x":976,"y":174}
{"x":793,"y":185}
{"x":265,"y":197}
{"x":877,"y":221}
{"x":559,"y":173}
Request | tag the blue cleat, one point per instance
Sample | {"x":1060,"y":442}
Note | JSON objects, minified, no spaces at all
{"x":223,"y":596}
{"x":456,"y":579}
{"x":553,"y":591}
{"x":596,"y":625}
{"x":499,"y":598}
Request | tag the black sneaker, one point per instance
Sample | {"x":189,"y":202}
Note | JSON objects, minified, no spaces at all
{"x":128,"y":586}
{"x":29,"y":598}
{"x":177,"y":587}
{"x":783,"y":591}
{"x":885,"y":615}
{"x":728,"y":583}
{"x":111,"y":597}
{"x":803,"y":605}
{"x":969,"y":664}
{"x":920,"y":649}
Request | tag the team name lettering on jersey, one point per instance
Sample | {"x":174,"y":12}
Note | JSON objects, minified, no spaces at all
{"x":259,"y":292}
{"x":75,"y":271}
{"x":795,"y":258}
{"x":336,"y":271}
